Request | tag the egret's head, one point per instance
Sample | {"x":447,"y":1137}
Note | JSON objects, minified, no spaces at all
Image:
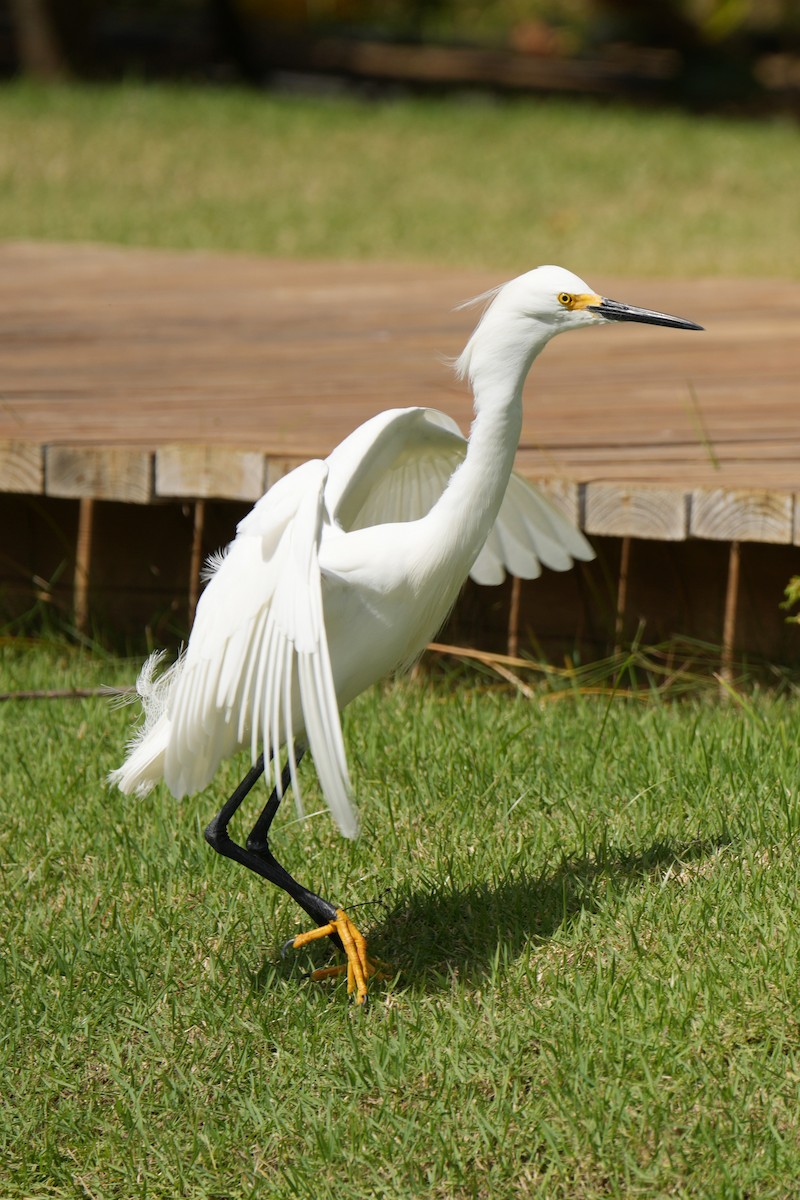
{"x":554,"y":297}
{"x":525,"y":313}
{"x":548,"y":297}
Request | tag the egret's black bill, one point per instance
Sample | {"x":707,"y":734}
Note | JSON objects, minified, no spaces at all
{"x":612,"y":310}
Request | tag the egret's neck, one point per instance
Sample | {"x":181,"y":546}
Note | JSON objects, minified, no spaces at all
{"x":475,"y":491}
{"x":497,"y":362}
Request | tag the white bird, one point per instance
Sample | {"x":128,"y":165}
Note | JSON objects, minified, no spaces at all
{"x":345,"y":570}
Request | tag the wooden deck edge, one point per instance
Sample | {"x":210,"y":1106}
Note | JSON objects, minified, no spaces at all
{"x":186,"y":472}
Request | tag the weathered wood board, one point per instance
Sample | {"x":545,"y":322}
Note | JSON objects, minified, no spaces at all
{"x":108,"y":347}
{"x":232,"y":369}
{"x":158,"y":378}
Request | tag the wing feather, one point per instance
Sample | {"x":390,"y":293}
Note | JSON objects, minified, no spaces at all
{"x":529,"y":533}
{"x":257,"y":671}
{"x":488,"y":569}
{"x":259,"y":633}
{"x":399,"y":464}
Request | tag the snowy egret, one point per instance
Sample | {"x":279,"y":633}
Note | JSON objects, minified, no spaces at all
{"x":344,"y":571}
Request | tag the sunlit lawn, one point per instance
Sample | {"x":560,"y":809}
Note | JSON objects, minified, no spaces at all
{"x":503,"y":184}
{"x":590,"y":906}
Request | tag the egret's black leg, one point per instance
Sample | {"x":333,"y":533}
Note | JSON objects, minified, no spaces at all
{"x":256,"y":855}
{"x":258,"y":838}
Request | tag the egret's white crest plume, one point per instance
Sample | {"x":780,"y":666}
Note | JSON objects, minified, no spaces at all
{"x":345,"y":570}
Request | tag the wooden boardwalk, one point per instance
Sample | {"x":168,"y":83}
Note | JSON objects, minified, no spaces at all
{"x":130,"y":352}
{"x":136,"y":375}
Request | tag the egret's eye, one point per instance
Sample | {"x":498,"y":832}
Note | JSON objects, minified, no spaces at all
{"x":566,"y":299}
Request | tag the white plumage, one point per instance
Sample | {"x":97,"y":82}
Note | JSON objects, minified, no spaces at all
{"x":347,"y":567}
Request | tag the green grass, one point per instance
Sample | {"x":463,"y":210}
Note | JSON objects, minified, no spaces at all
{"x":590,"y":904}
{"x":605,"y":189}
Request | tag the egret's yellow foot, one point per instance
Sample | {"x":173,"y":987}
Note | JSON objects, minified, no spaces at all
{"x":360,"y":966}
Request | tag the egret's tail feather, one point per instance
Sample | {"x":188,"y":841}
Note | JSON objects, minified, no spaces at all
{"x":144,"y":766}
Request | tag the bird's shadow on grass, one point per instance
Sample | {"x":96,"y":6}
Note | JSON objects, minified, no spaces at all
{"x":440,"y":930}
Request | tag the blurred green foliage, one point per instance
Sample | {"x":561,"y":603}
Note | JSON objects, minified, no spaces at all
{"x":669,"y":22}
{"x":792,"y":593}
{"x":716,"y":49}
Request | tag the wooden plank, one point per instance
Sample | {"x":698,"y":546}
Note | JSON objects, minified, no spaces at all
{"x":729,"y":618}
{"x":622,"y":593}
{"x":563,"y":494}
{"x":196,"y":556}
{"x":210,"y":472}
{"x":21,"y":467}
{"x":641,"y":512}
{"x":512,"y":633}
{"x":292,"y":356}
{"x":99,"y":473}
{"x":83,"y":566}
{"x":741,"y":516}
{"x":507,"y":69}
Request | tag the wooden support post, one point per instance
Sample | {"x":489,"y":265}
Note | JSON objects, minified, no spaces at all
{"x":731,"y":609}
{"x":196,"y":560}
{"x":513,"y":616}
{"x":622,"y":594}
{"x":83,"y":564}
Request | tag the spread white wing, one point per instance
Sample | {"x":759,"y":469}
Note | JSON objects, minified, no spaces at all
{"x":257,"y":670}
{"x":257,"y":667}
{"x":529,"y":533}
{"x":404,"y":459}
